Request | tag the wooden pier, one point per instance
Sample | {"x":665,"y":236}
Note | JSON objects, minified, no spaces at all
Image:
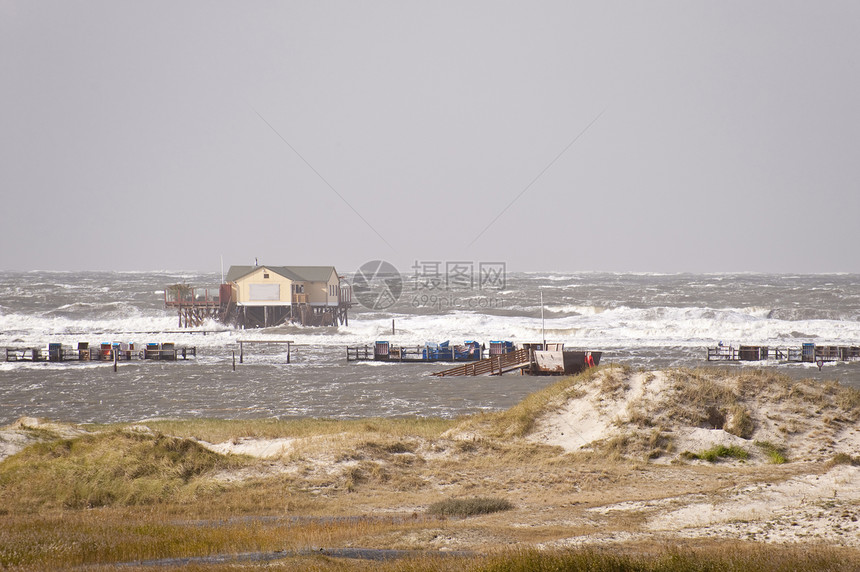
{"x":195,"y":305}
{"x":531,"y":359}
{"x":493,"y":365}
{"x":807,"y":353}
{"x":428,"y":353}
{"x":101,"y":352}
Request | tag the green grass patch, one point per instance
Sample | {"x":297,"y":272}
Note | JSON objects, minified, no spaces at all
{"x":775,"y":454}
{"x":717,"y":453}
{"x":469,"y":507}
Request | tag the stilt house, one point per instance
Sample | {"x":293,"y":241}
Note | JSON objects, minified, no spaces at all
{"x":263,"y":296}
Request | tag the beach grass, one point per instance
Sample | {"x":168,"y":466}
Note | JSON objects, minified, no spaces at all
{"x":718,"y":453}
{"x":146,"y":491}
{"x":776,"y":454}
{"x":220,"y":430}
{"x":469,"y":506}
{"x":519,"y":420}
{"x":118,"y":467}
{"x":147,"y":543}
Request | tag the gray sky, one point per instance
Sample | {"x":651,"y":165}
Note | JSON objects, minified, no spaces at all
{"x":164,"y":135}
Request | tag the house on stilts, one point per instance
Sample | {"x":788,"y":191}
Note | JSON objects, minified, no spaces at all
{"x":264,"y":296}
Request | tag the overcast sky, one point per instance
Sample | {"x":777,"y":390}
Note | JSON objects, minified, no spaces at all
{"x":626,"y":136}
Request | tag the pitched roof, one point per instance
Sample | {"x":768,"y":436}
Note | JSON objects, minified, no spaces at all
{"x":312,"y":273}
{"x":294,"y":273}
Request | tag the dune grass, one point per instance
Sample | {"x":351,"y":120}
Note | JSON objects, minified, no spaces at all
{"x":298,"y":547}
{"x":777,"y":455}
{"x":220,"y":430}
{"x":716,"y":557}
{"x":845,"y":459}
{"x":469,"y":506}
{"x":519,"y":420}
{"x":115,"y":468}
{"x":70,"y":539}
{"x":126,"y":494}
{"x":718,"y":453}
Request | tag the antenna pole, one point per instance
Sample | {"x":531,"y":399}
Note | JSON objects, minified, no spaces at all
{"x":542,"y":320}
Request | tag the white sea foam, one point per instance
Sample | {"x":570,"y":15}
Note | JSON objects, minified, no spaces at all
{"x":656,"y":326}
{"x":128,"y":308}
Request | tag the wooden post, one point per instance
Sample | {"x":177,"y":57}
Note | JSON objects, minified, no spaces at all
{"x":241,"y":353}
{"x":392,"y":327}
{"x":288,"y":352}
{"x":115,"y":358}
{"x":234,"y":360}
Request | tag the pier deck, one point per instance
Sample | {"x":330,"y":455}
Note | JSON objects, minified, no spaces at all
{"x":386,"y":352}
{"x":195,"y":305}
{"x":807,"y":353}
{"x":102,"y":352}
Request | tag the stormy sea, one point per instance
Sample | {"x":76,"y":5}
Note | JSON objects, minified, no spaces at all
{"x":642,"y":320}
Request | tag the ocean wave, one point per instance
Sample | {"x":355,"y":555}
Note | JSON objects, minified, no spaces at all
{"x":609,"y":309}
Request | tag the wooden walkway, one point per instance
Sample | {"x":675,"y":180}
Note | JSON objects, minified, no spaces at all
{"x":167,"y":352}
{"x":493,"y":365}
{"x":809,"y":353}
{"x":383,"y":351}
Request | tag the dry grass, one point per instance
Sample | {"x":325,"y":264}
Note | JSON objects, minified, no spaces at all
{"x":469,"y":506}
{"x":519,"y":420}
{"x":716,"y":556}
{"x":121,"y":495}
{"x":114,"y":468}
{"x":219,"y":430}
{"x":702,"y":398}
{"x":73,"y":539}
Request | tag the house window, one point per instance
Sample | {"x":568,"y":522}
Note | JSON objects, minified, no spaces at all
{"x":265,"y":275}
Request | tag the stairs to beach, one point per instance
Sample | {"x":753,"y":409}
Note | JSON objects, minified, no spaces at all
{"x":493,"y":365}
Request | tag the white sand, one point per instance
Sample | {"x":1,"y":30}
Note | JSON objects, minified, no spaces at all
{"x":581,"y":422}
